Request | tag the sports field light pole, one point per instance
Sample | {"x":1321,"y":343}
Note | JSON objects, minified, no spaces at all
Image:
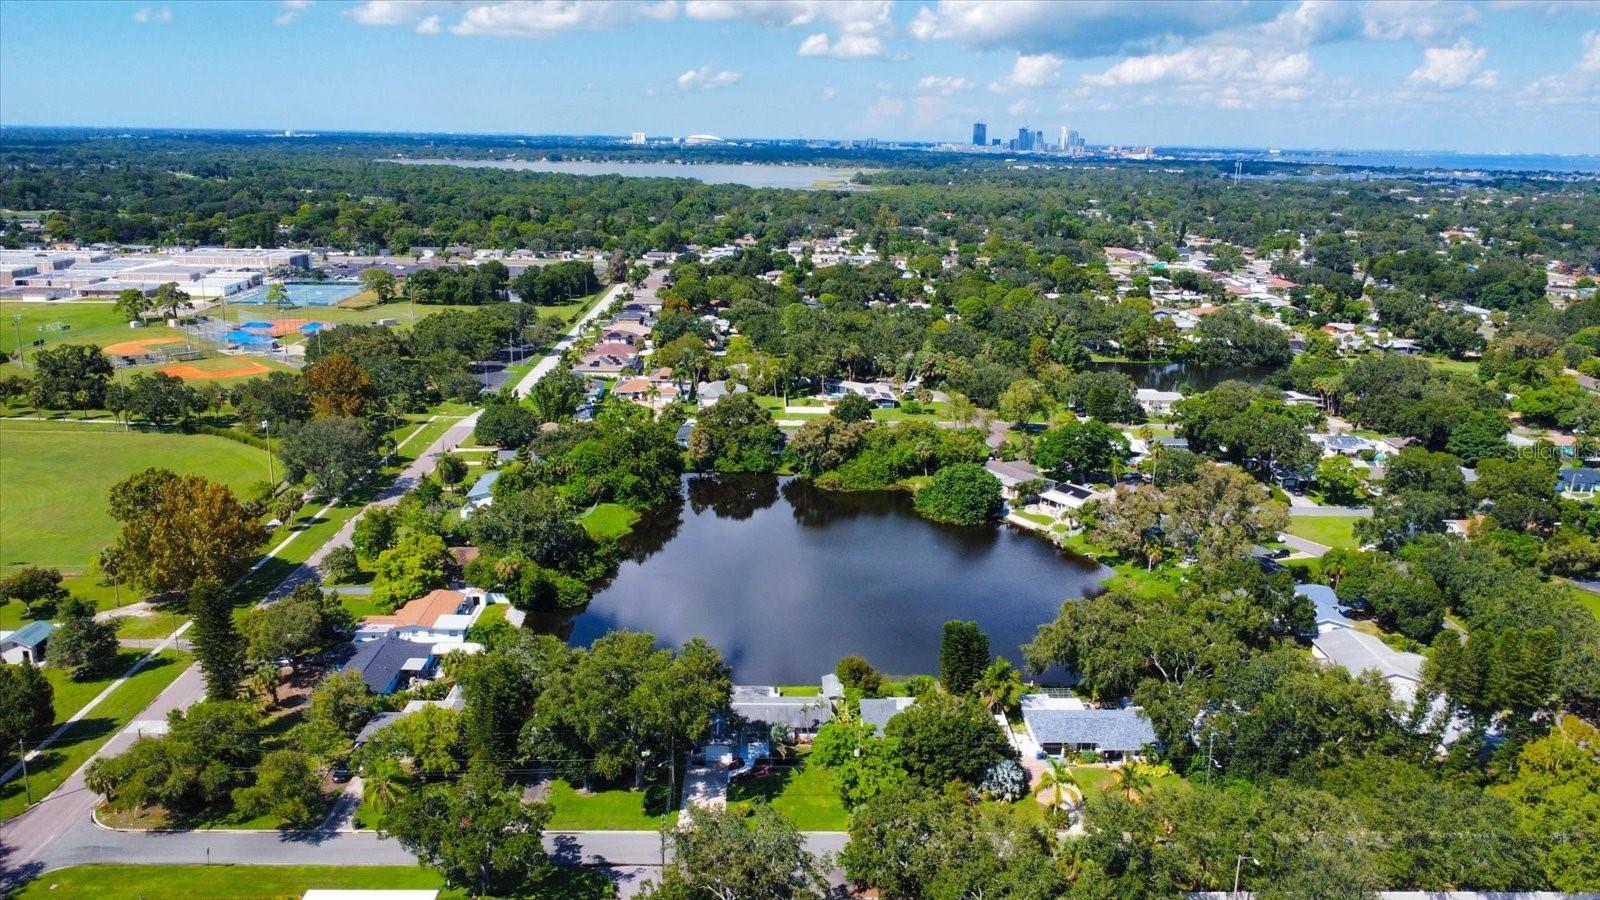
{"x":16,"y":322}
{"x":1238,"y":866}
{"x":266,"y":425}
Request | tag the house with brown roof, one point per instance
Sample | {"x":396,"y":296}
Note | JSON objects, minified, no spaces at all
{"x":437,"y":616}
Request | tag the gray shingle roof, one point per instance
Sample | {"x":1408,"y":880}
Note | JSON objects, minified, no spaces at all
{"x":1326,"y":602}
{"x":1358,"y":651}
{"x":380,"y":662}
{"x":1124,"y":730}
{"x":796,"y":712}
{"x":877,"y":713}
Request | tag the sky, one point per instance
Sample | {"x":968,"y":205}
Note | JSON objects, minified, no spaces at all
{"x":1491,"y":76}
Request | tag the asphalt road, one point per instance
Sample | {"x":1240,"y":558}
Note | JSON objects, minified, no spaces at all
{"x":59,"y":830}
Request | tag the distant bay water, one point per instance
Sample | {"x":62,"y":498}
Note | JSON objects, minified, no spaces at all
{"x":1429,"y":160}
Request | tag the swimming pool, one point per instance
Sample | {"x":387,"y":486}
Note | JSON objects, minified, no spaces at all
{"x":304,"y":293}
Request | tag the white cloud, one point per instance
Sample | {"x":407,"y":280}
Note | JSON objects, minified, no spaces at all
{"x":944,"y":85}
{"x":1591,"y":52}
{"x":1205,"y":65}
{"x":429,"y":25}
{"x":848,"y":46}
{"x":1027,"y":71}
{"x":291,"y":11}
{"x":849,"y":16}
{"x":1082,"y":29}
{"x":1578,"y":86}
{"x":707,"y":79}
{"x":1021,"y":107}
{"x":830,"y":92}
{"x":543,"y":18}
{"x":1423,"y":21}
{"x":1456,"y":66}
{"x":147,"y":14}
{"x":387,"y":12}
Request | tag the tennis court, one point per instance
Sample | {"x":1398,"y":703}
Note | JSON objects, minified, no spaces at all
{"x":303,"y":293}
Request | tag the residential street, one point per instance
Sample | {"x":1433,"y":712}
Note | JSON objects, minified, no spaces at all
{"x":58,"y":830}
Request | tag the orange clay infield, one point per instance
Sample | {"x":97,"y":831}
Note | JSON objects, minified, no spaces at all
{"x":281,"y":327}
{"x":138,"y":347}
{"x":238,"y":370}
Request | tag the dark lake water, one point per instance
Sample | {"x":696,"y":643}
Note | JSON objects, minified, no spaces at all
{"x":1184,"y":377}
{"x":785,"y":579}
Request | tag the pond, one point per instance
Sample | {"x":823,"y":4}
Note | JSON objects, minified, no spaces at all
{"x":785,"y":579}
{"x":1181,"y":376}
{"x":757,"y":175}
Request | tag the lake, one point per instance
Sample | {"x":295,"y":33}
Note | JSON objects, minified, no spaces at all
{"x":1181,"y":376}
{"x":758,"y":175}
{"x":785,"y":579}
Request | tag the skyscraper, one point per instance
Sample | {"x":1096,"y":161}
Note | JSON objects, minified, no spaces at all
{"x":1024,"y":138}
{"x":1038,"y":140}
{"x":980,"y":133}
{"x":1063,"y":145}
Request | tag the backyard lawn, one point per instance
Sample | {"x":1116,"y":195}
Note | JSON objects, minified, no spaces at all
{"x":117,"y":882}
{"x":1591,"y":600}
{"x":1331,"y":531}
{"x":799,"y":791}
{"x":55,"y":478}
{"x":608,"y":520}
{"x":62,"y":758}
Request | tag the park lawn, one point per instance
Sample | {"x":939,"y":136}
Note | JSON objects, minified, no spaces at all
{"x":801,"y":792}
{"x":1468,"y":367}
{"x":220,"y":882}
{"x":50,"y":768}
{"x":1331,"y":531}
{"x":608,"y":521}
{"x":70,"y":696}
{"x":88,"y":323}
{"x":151,"y":625}
{"x":215,"y":364}
{"x":54,"y":480}
{"x":616,"y":809}
{"x":425,"y":437}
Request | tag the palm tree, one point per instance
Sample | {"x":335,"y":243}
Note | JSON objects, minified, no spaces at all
{"x":1000,"y":686}
{"x":265,"y":679}
{"x":1058,"y":779}
{"x":1132,"y":780}
{"x":1329,"y":385}
{"x":384,"y":785}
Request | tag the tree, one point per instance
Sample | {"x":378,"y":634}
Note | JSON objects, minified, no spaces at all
{"x":334,"y":450}
{"x":294,"y":625}
{"x":338,"y":386}
{"x":861,"y":764}
{"x":556,"y":396}
{"x":1058,"y":779}
{"x":340,"y":564}
{"x":160,"y":398}
{"x":380,"y":282}
{"x":131,"y":304}
{"x":264,"y":679}
{"x":1555,"y":799}
{"x":342,"y":702}
{"x":852,"y":407}
{"x":1000,"y":687}
{"x":177,"y":529}
{"x":277,"y":398}
{"x":82,"y":646}
{"x":736,"y":434}
{"x":452,"y":469}
{"x":218,"y":646}
{"x":1025,"y":399}
{"x":27,"y":706}
{"x":856,"y":674}
{"x":960,"y":494}
{"x":410,"y":569}
{"x":376,"y":531}
{"x":207,"y":751}
{"x":37,"y":588}
{"x":476,"y":833}
{"x":1341,"y":482}
{"x":963,"y":656}
{"x":287,"y":787}
{"x":1131,"y":523}
{"x":944,"y":738}
{"x":505,"y":423}
{"x":1222,"y":514}
{"x":70,"y":376}
{"x":538,"y":524}
{"x":726,"y":854}
{"x":169,"y":299}
{"x":1078,"y":449}
{"x":825,"y":443}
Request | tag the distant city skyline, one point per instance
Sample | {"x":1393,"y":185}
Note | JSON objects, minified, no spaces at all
{"x":1486,"y":77}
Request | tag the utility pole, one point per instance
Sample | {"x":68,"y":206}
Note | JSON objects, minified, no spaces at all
{"x":26,"y":789}
{"x":266,"y":425}
{"x":16,"y":322}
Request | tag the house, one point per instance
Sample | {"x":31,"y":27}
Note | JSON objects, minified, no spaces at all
{"x":30,"y":643}
{"x":1010,"y":474}
{"x":646,"y":392}
{"x":878,"y":393}
{"x":481,"y":493}
{"x":1358,"y":652}
{"x":1170,"y":443}
{"x":764,"y":705}
{"x":832,"y":687}
{"x":1326,"y":603}
{"x":453,"y":701}
{"x":439,"y":616}
{"x":633,"y":334}
{"x":1064,"y":500}
{"x":1157,"y":403}
{"x":1295,"y":398}
{"x":878,"y":711}
{"x":1063,"y":726}
{"x":1342,"y":444}
{"x":391,"y":664}
{"x":1578,"y":482}
{"x":709,"y":392}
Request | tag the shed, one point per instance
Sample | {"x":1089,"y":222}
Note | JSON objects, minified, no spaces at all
{"x":27,"y":644}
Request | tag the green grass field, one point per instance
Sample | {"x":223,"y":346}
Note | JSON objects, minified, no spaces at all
{"x":62,"y":758}
{"x":220,"y":882}
{"x":54,"y":480}
{"x":606,"y":810}
{"x":88,"y":323}
{"x":799,"y":791}
{"x":608,"y":521}
{"x":1590,"y":600}
{"x":1331,"y":531}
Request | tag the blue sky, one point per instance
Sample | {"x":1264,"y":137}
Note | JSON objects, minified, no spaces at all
{"x":1477,"y":75}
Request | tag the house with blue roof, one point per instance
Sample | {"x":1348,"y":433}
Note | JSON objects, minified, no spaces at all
{"x":481,"y":494}
{"x":1065,"y":726}
{"x":1328,"y":607}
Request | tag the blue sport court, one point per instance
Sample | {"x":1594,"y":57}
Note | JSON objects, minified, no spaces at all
{"x":304,"y":293}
